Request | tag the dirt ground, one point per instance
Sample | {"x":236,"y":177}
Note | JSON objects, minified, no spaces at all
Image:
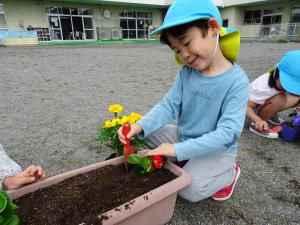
{"x":52,"y":99}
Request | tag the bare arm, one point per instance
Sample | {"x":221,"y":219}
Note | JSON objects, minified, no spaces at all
{"x":260,"y":124}
{"x":251,"y":113}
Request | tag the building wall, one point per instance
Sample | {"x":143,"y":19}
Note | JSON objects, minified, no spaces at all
{"x":235,"y":14}
{"x":20,"y":14}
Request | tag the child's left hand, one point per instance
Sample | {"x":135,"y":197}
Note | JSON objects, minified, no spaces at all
{"x":164,"y":149}
{"x":29,"y":175}
{"x":33,"y":171}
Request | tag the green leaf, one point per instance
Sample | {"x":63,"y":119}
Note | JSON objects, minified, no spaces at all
{"x":14,"y":206}
{"x":8,"y":216}
{"x":139,"y":170}
{"x":1,"y":220}
{"x":3,"y":202}
{"x":135,"y":159}
{"x":14,"y":220}
{"x":146,"y":163}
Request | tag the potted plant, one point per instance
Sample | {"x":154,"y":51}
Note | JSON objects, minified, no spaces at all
{"x":153,"y":207}
{"x":7,"y":210}
{"x":106,"y":192}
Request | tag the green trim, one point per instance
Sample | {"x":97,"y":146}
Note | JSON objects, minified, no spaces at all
{"x":46,"y":43}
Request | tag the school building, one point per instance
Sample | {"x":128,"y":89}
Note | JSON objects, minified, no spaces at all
{"x":32,"y":21}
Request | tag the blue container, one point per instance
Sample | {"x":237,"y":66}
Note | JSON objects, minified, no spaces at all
{"x":289,"y":133}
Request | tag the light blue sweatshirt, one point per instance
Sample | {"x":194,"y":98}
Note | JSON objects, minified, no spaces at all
{"x":209,"y":111}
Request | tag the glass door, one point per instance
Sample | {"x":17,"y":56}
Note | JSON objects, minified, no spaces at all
{"x":77,"y":27}
{"x":66,"y":28}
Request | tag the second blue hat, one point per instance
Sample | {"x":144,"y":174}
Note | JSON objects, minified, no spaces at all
{"x":289,"y":72}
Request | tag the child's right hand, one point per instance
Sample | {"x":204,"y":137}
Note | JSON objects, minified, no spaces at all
{"x":134,"y":131}
{"x":29,"y":175}
{"x":261,"y":125}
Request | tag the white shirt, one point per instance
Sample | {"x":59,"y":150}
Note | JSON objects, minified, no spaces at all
{"x":260,"y":91}
{"x":8,"y":167}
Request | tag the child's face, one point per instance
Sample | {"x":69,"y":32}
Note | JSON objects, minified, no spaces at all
{"x":193,"y":49}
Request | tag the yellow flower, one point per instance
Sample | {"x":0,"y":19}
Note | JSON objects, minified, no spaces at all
{"x":131,"y":120}
{"x":135,"y":116}
{"x":124,"y":119}
{"x":116,"y":121}
{"x":109,"y":124}
{"x":116,"y":108}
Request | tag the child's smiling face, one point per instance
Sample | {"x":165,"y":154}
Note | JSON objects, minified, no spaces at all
{"x":194,"y":48}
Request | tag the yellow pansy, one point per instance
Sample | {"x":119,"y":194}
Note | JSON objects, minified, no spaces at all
{"x":115,"y":108}
{"x":124,"y":119}
{"x":108,"y":124}
{"x":135,"y":116}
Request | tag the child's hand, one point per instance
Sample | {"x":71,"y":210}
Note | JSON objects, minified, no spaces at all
{"x":134,"y":131}
{"x":164,"y":149}
{"x":29,"y":175}
{"x":261,"y":125}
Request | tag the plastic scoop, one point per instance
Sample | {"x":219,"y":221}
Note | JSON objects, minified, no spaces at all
{"x":128,"y":149}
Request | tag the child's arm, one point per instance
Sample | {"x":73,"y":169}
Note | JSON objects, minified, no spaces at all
{"x":29,"y":175}
{"x":260,"y":124}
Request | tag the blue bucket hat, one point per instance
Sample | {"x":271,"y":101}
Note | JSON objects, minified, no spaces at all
{"x":186,"y":11}
{"x":289,"y":72}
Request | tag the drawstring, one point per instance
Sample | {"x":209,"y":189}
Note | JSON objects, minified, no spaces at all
{"x":217,"y":43}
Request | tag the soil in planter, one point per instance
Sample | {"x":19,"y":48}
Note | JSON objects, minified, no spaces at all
{"x":82,"y":198}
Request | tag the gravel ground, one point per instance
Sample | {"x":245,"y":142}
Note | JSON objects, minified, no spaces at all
{"x":54,"y":98}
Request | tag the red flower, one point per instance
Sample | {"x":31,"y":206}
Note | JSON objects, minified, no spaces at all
{"x":157,"y":161}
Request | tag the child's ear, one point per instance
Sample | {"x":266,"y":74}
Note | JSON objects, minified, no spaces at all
{"x":213,"y":25}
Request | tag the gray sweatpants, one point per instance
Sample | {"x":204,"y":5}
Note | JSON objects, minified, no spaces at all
{"x":209,"y":173}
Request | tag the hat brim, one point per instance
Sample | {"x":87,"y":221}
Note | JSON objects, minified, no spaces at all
{"x":288,"y":84}
{"x":176,"y":23}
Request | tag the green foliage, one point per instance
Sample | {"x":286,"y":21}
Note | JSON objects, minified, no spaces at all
{"x":142,"y":164}
{"x":109,"y":137}
{"x":7,"y":210}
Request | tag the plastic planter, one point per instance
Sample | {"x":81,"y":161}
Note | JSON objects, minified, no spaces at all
{"x":154,"y":207}
{"x":289,"y":133}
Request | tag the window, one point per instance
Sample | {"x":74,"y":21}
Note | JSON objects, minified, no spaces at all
{"x":252,"y":17}
{"x":225,"y":23}
{"x":135,"y":24}
{"x":70,"y":23}
{"x":2,"y":17}
{"x":265,"y":16}
{"x":295,"y":15}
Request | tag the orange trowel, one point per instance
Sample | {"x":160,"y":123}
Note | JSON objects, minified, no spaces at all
{"x":128,"y":149}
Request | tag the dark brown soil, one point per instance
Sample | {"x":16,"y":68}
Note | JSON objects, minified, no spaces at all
{"x":82,"y":198}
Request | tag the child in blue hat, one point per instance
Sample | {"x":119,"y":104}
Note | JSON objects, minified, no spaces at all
{"x":273,"y":92}
{"x":12,"y":176}
{"x":207,"y":101}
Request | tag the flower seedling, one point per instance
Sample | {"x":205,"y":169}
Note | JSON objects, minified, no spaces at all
{"x":7,"y":210}
{"x":108,"y":132}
